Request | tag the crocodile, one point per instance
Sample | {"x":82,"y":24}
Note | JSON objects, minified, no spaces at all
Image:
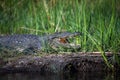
{"x":31,"y":43}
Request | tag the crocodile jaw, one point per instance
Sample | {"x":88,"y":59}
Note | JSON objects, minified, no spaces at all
{"x":63,"y":43}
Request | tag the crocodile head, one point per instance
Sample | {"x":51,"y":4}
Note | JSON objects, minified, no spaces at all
{"x":63,"y":40}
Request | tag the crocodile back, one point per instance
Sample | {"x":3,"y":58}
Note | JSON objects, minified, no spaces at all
{"x":21,"y":42}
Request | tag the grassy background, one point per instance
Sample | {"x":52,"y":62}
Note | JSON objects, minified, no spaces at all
{"x":98,"y":20}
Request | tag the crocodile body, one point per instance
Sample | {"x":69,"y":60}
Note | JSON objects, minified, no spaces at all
{"x":30,"y":42}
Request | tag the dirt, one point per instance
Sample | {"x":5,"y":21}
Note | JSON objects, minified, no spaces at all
{"x":60,"y":63}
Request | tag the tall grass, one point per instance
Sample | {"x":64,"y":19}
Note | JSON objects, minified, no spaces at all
{"x":98,"y":20}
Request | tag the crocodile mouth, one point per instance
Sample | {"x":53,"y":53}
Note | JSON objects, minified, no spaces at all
{"x":65,"y":43}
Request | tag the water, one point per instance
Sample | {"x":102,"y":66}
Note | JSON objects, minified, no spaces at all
{"x":80,"y":76}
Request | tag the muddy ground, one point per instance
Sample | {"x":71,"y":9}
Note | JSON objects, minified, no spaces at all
{"x":60,"y":63}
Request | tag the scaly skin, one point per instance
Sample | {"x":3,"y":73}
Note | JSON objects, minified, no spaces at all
{"x":30,"y":43}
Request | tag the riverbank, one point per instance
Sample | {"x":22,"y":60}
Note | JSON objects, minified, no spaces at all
{"x":60,"y":63}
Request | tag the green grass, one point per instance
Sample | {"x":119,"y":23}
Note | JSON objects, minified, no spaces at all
{"x":98,"y":20}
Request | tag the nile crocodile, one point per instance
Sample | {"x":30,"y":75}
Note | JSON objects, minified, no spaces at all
{"x":30,"y":43}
